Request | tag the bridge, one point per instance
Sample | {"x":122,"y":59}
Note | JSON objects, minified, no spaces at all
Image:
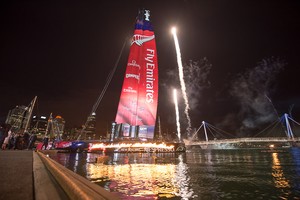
{"x":233,"y":142}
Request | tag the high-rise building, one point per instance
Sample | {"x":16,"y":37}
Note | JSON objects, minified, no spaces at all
{"x":16,"y":117}
{"x":90,"y":129}
{"x":39,"y":124}
{"x":58,"y":125}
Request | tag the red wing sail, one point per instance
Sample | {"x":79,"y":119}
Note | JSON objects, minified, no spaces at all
{"x":138,"y":101}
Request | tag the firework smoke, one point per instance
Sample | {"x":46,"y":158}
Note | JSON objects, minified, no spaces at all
{"x":196,"y":78}
{"x":251,"y":89}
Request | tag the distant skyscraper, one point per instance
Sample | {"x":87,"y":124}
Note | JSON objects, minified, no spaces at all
{"x":16,"y":117}
{"x":59,"y":125}
{"x":39,"y":124}
{"x":20,"y":116}
{"x":90,"y":129}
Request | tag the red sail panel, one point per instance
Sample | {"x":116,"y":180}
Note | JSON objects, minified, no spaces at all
{"x":139,"y":95}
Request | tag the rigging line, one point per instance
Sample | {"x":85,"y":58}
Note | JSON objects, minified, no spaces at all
{"x":272,"y":131}
{"x":221,"y":130}
{"x":211,"y":131}
{"x":111,"y":74}
{"x":290,"y":109}
{"x":220,"y":133}
{"x":102,"y":93}
{"x":294,"y":120}
{"x":275,"y":122}
{"x":108,"y":80}
{"x":274,"y":110}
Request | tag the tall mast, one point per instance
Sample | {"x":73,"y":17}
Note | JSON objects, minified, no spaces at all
{"x":30,"y":113}
{"x":48,"y":124}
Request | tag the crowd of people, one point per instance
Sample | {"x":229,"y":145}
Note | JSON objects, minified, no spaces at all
{"x":16,"y":140}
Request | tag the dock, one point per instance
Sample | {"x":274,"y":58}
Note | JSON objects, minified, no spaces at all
{"x":31,"y":175}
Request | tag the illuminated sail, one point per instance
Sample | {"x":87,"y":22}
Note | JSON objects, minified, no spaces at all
{"x":136,"y":115}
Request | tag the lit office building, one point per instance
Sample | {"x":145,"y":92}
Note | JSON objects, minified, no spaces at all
{"x":90,"y":129}
{"x":59,"y":125}
{"x":39,"y":124}
{"x":16,"y":117}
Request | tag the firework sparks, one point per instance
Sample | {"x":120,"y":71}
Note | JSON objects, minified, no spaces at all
{"x":182,"y":83}
{"x":177,"y":113}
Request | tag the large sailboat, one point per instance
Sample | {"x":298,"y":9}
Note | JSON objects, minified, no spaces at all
{"x":136,"y":115}
{"x":134,"y":126}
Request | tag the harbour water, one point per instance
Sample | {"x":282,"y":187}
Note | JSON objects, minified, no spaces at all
{"x":204,"y":174}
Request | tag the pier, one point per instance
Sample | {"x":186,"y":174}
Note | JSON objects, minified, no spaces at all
{"x":30,"y":175}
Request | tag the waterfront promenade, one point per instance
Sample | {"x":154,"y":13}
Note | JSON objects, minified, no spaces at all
{"x":30,"y":175}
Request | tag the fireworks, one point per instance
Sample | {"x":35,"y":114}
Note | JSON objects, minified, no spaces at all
{"x":182,"y":83}
{"x":177,"y":113}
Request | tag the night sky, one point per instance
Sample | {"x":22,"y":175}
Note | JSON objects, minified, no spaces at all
{"x":62,"y":51}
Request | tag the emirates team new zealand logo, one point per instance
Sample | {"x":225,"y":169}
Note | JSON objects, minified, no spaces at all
{"x":140,"y":39}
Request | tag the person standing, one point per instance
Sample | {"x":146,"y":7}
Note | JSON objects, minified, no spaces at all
{"x":32,"y":140}
{"x":45,"y":142}
{"x":16,"y":141}
{"x":6,"y":140}
{"x":53,"y":145}
{"x":3,"y":133}
{"x":26,"y":139}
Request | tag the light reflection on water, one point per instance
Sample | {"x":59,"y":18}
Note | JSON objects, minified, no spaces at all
{"x":279,"y":179}
{"x":209,"y":174}
{"x":134,"y":179}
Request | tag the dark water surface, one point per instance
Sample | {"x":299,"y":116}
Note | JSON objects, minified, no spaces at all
{"x":207,"y":174}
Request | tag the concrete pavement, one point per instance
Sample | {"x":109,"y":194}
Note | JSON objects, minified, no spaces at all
{"x":16,"y":172}
{"x":30,"y":175}
{"x":24,"y":176}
